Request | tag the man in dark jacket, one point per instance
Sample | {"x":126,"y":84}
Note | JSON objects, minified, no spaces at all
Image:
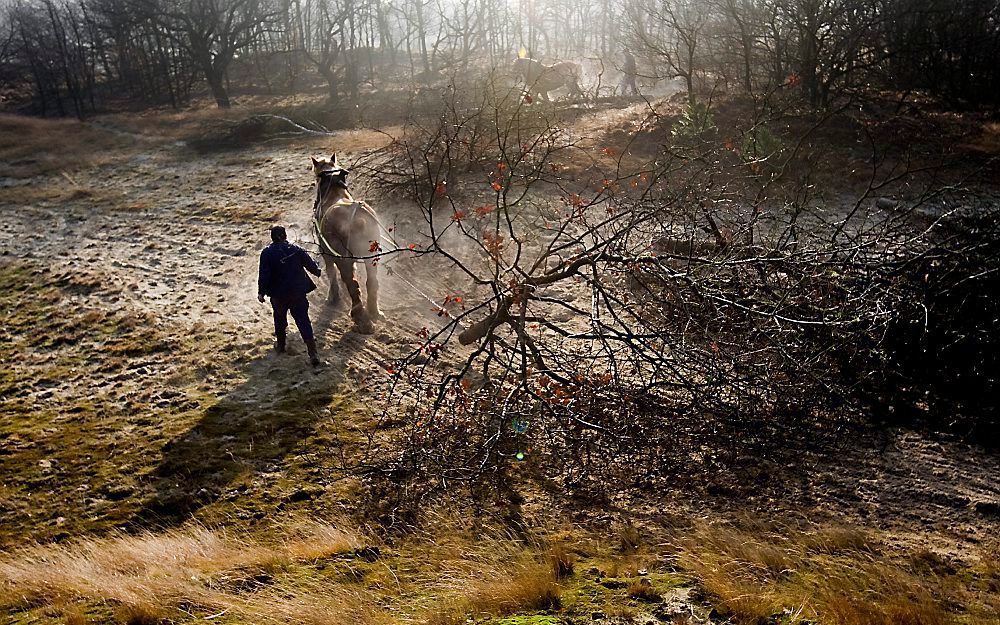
{"x":283,"y":278}
{"x":630,"y":71}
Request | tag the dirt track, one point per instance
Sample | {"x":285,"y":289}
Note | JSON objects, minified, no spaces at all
{"x":180,"y":234}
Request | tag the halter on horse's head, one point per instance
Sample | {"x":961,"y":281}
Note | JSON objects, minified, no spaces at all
{"x":330,"y":168}
{"x":329,"y":175}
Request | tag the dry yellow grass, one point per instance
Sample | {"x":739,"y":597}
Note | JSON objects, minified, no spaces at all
{"x":311,"y":541}
{"x":501,"y":588}
{"x":562,"y":561}
{"x":526,"y":587}
{"x":32,"y":147}
{"x":498,"y":576}
{"x":629,"y":538}
{"x":833,"y":576}
{"x":142,"y":614}
{"x":75,"y":616}
{"x":990,"y":557}
{"x":196,"y":572}
{"x":147,"y":578}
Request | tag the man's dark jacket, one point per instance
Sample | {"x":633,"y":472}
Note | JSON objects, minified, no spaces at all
{"x":283,"y":269}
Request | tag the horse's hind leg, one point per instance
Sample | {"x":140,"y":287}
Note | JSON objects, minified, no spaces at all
{"x":333,"y":297}
{"x":358,"y":313}
{"x":371,"y":285}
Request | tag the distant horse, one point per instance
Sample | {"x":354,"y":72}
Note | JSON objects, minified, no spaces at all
{"x":346,"y":229}
{"x":540,"y":79}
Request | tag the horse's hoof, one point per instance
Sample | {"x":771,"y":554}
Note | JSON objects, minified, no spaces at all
{"x":362,"y":321}
{"x":377,"y":315}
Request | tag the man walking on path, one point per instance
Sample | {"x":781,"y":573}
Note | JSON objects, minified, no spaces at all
{"x":630,"y":71}
{"x":282,"y":277}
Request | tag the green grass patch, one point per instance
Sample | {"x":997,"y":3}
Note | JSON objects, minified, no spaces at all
{"x":532,"y":619}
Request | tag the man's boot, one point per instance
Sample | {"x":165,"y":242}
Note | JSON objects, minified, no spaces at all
{"x":313,"y":358}
{"x":279,"y":344}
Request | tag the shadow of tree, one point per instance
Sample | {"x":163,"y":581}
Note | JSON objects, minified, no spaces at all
{"x":251,"y":430}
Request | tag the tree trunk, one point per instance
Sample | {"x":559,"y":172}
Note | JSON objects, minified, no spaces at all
{"x":214,"y":69}
{"x":329,"y":73}
{"x":216,"y":83}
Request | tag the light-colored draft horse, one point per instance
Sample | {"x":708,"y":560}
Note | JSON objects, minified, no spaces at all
{"x":540,"y":79}
{"x":346,"y":230}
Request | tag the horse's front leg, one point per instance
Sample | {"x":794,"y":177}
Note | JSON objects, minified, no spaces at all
{"x":371,"y":285}
{"x":364,"y":323}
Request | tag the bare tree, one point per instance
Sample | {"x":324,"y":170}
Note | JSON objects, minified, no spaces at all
{"x":835,"y":40}
{"x":214,"y":31}
{"x":740,"y":27}
{"x":327,"y":33}
{"x":673,"y":31}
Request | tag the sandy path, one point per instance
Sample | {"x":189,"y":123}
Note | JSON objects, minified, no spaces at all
{"x":177,"y":235}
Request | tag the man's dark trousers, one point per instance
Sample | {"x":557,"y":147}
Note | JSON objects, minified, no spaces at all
{"x":298,"y":305}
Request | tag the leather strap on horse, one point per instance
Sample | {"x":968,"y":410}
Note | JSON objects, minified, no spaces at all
{"x":324,"y":245}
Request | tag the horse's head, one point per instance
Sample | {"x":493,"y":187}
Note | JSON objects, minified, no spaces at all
{"x":330,"y":169}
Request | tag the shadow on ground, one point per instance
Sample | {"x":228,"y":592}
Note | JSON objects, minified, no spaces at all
{"x":250,"y":431}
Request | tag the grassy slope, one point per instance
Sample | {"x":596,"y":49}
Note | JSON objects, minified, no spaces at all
{"x":119,"y":480}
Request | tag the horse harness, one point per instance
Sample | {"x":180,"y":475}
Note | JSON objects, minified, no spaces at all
{"x":332,"y":177}
{"x":327,"y":180}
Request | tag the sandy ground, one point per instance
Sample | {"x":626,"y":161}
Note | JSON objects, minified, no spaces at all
{"x":180,"y":233}
{"x":171,"y":237}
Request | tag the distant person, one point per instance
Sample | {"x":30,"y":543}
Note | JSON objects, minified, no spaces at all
{"x":282,"y":277}
{"x":628,"y":80}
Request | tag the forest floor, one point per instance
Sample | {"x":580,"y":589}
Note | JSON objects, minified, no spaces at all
{"x":158,"y":463}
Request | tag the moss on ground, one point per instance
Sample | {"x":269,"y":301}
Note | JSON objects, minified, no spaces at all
{"x":532,"y":619}
{"x":89,"y":445}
